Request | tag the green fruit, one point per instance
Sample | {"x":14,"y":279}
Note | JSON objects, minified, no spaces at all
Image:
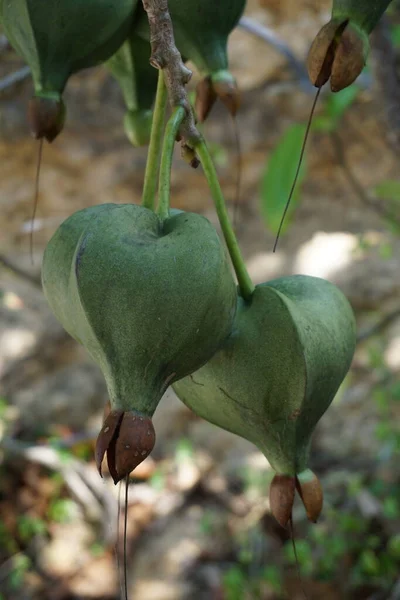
{"x":150,"y":301}
{"x":362,"y":13}
{"x":278,"y":372}
{"x":138,"y":81}
{"x":59,"y":38}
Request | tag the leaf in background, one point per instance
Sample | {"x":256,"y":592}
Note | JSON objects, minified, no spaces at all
{"x":334,"y":108}
{"x":278,"y":178}
{"x":337,"y":104}
{"x":388,"y":189}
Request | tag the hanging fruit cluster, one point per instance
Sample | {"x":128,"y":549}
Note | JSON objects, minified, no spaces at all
{"x":150,"y":293}
{"x":57,"y":39}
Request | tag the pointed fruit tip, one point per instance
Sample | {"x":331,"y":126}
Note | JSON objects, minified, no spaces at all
{"x":134,"y":443}
{"x":281,"y":498}
{"x":229,"y":94}
{"x":46,"y":117}
{"x":106,"y":435}
{"x":310,"y":491}
{"x":205,"y":99}
{"x":350,"y":58}
{"x":338,"y":53}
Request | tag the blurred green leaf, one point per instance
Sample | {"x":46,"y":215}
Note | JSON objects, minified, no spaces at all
{"x":62,"y":510}
{"x":388,"y":189}
{"x":394,"y":546}
{"x":97,"y":549}
{"x":279,"y":176}
{"x":304,"y":555}
{"x":391,"y":508}
{"x":395,"y":35}
{"x":334,"y":108}
{"x":29,"y":527}
{"x":184,"y":450}
{"x":234,"y":582}
{"x":337,"y":104}
{"x":158,"y":481}
{"x":369,"y":562}
{"x":395,"y":390}
{"x":273,"y":576}
{"x":21,"y":564}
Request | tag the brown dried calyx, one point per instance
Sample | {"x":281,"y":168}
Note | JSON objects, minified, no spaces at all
{"x":339,"y":53}
{"x":209,"y":89}
{"x":46,"y":117}
{"x":282,"y":493}
{"x":127,"y":438}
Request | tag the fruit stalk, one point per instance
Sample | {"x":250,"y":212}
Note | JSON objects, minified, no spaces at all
{"x":166,"y":56}
{"x":164,"y":190}
{"x":245,"y":284}
{"x":155,"y":146}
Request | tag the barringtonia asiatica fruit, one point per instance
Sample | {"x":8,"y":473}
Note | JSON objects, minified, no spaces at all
{"x":151,"y":302}
{"x":275,"y":376}
{"x":58,"y":39}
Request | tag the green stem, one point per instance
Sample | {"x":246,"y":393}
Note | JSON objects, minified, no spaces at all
{"x":164,"y":189}
{"x":245,"y":283}
{"x":153,"y":157}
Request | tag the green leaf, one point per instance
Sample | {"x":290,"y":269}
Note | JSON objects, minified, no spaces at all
{"x":234,"y":582}
{"x":388,"y":189}
{"x":29,"y":527}
{"x":394,"y":546}
{"x":337,"y":104}
{"x":369,"y":562}
{"x":278,"y":178}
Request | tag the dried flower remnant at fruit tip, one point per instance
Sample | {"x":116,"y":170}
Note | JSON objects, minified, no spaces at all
{"x":338,"y":53}
{"x":127,"y":439}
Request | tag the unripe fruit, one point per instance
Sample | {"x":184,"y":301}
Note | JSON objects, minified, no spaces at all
{"x":58,"y":39}
{"x":278,"y":372}
{"x":150,"y":301}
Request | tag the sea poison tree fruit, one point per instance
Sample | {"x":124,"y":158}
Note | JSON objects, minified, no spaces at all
{"x":276,"y":375}
{"x":340,"y":50}
{"x":138,"y":81}
{"x":150,"y":301}
{"x":201,"y":30}
{"x":57,"y":39}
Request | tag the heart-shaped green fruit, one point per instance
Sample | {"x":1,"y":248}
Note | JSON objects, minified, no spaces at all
{"x":59,"y":38}
{"x":150,"y":301}
{"x":278,"y":372}
{"x":138,"y":81}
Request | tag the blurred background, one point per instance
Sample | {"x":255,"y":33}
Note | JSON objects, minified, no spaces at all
{"x":199,"y":525}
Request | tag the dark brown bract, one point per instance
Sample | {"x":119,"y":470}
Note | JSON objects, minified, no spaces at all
{"x":127,"y":438}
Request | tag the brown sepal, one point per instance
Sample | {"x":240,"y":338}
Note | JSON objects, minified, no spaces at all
{"x":46,"y":117}
{"x":205,"y":99}
{"x":349,"y":59}
{"x":108,"y":431}
{"x":281,"y":498}
{"x":228,"y":93}
{"x":338,"y":53}
{"x":322,"y":53}
{"x":107,"y":410}
{"x":311,"y":493}
{"x":127,"y":438}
